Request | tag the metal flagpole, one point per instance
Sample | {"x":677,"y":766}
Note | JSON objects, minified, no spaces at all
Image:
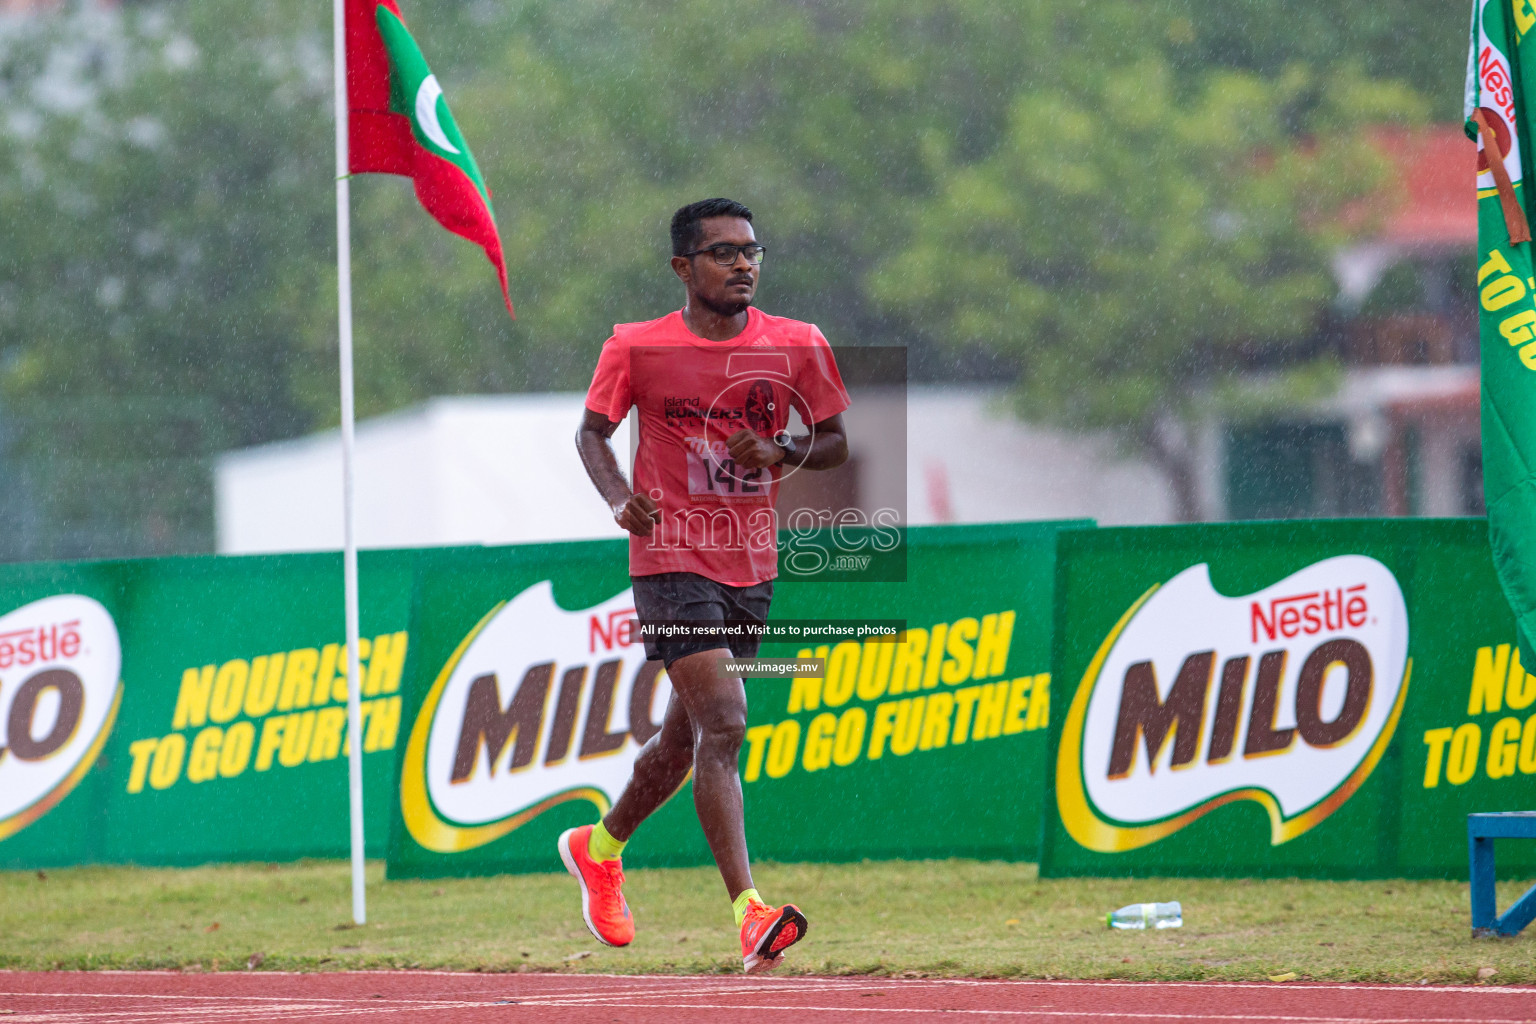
{"x":348,"y":532}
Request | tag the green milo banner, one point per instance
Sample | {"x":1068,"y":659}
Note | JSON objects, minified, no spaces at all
{"x":185,"y":710}
{"x":1309,"y":698}
{"x":529,"y":696}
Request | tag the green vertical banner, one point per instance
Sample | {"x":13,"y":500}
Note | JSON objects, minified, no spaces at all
{"x":1498,"y":117}
{"x":1325,"y":699}
{"x":529,"y":696}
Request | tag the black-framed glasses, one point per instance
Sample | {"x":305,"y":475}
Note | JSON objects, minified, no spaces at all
{"x":725,"y":254}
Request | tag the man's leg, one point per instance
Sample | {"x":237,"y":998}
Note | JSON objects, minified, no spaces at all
{"x":716,"y":705}
{"x":660,"y":770}
{"x":591,"y":853}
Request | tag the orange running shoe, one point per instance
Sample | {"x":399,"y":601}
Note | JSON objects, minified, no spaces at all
{"x":767,"y":932}
{"x":602,"y":885}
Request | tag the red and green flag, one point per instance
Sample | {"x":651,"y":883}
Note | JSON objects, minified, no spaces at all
{"x":1501,"y":77}
{"x":399,"y":123}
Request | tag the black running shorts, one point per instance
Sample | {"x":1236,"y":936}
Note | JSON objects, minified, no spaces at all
{"x":700,"y":603}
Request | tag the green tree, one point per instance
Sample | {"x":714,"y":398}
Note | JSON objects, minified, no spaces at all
{"x":1128,"y":245}
{"x":154,"y":205}
{"x":1419,"y":41}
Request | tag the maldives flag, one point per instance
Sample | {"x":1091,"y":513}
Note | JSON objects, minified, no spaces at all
{"x":399,"y":123}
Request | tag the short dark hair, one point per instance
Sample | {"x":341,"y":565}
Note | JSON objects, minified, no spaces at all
{"x":686,"y":232}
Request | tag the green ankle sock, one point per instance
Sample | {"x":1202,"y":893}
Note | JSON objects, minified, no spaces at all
{"x":602,"y":846}
{"x":739,"y":904}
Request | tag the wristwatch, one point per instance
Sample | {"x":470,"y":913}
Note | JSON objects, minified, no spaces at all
{"x":786,"y":444}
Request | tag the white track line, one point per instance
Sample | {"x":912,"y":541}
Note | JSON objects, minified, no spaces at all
{"x":704,"y":987}
{"x":209,"y":1015}
{"x":1335,"y":986}
{"x":202,"y":1014}
{"x":190,"y":996}
{"x":1107,"y":1014}
{"x":797,"y":979}
{"x":649,"y":991}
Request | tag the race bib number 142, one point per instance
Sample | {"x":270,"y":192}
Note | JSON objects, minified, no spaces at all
{"x":714,"y":476}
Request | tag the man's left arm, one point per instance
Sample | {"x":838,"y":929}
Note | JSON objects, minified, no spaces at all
{"x":826,"y":447}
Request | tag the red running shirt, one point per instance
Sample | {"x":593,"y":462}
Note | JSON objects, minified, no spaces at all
{"x":717,"y":519}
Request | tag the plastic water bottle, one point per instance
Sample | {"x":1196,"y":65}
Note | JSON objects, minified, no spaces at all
{"x":1148,"y":915}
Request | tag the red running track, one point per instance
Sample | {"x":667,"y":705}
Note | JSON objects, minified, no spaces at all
{"x":386,"y":997}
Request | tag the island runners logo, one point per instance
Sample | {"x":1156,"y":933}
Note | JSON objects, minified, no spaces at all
{"x":537,"y":706}
{"x":59,"y":695}
{"x":1287,"y":697}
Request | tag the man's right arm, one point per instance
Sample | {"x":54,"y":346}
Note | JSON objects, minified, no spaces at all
{"x":637,"y":513}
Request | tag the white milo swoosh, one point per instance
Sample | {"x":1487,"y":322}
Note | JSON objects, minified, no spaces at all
{"x":1187,"y":615}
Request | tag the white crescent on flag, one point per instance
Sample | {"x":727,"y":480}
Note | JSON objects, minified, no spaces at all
{"x":426,"y":114}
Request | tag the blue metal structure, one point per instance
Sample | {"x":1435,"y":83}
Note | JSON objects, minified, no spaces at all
{"x":1482,"y":830}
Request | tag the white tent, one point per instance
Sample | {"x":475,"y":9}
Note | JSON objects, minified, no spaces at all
{"x":503,"y":469}
{"x":463,"y":470}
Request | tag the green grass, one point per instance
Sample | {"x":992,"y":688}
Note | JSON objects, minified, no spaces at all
{"x":960,"y":918}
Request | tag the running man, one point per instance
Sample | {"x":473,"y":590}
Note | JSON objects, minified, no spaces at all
{"x":714,"y":384}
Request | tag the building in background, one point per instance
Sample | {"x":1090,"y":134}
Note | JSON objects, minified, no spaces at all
{"x":1401,"y":434}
